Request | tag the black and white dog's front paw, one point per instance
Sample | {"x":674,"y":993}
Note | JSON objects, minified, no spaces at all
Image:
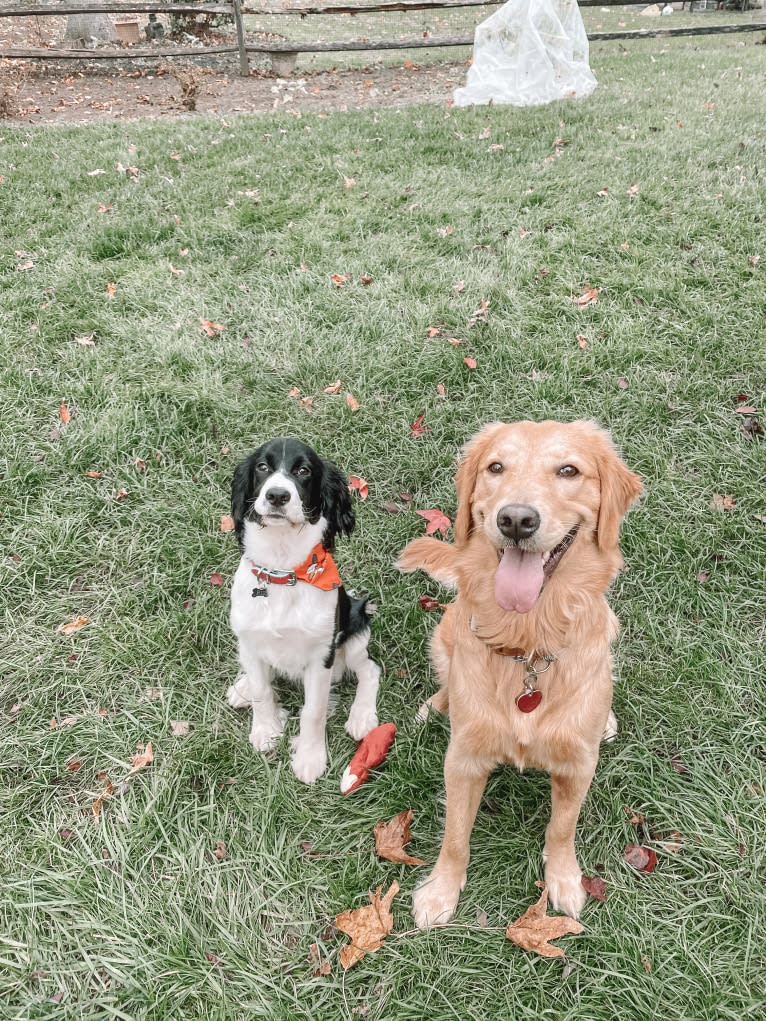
{"x":309,"y":759}
{"x":238,"y":694}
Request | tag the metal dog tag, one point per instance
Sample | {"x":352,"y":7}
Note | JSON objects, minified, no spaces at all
{"x":528,"y":701}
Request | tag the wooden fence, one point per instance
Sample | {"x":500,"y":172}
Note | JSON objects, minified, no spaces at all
{"x":283,"y":53}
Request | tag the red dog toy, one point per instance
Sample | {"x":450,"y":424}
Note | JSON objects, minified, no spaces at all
{"x":371,"y":751}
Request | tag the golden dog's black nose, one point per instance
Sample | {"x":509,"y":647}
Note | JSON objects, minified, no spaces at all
{"x":518,"y":521}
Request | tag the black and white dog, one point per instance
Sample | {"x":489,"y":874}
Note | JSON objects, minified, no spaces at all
{"x":289,"y":610}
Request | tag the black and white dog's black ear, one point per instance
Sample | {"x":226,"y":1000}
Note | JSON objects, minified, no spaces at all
{"x":335,"y":498}
{"x":241,"y":495}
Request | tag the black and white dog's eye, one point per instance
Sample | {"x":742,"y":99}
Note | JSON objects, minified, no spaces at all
{"x":302,"y":471}
{"x":568,"y":471}
{"x":262,"y":466}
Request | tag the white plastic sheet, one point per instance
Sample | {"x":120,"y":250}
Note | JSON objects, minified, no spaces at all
{"x":529,"y":52}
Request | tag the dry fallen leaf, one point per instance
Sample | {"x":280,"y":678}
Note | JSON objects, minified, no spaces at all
{"x":111,"y":290}
{"x":481,"y":313}
{"x":365,"y":279}
{"x":436,"y":520}
{"x":216,"y":579}
{"x":226,"y":523}
{"x":642,"y":859}
{"x":722,"y":503}
{"x":107,"y":793}
{"x":319,"y":966}
{"x":333,"y":388}
{"x":65,"y":415}
{"x":535,"y":928}
{"x":417,"y":428}
{"x":360,"y":485}
{"x":294,"y":391}
{"x":633,"y":190}
{"x":142,"y":758}
{"x":367,"y":926}
{"x":391,"y":836}
{"x":93,"y":473}
{"x":470,"y":362}
{"x":441,"y":390}
{"x":352,"y":402}
{"x":71,"y":626}
{"x":340,"y":279}
{"x":179,"y":728}
{"x":86,"y":341}
{"x":221,"y":850}
{"x":209,"y":328}
{"x":588,"y":297}
{"x":582,"y":341}
{"x":595,"y":886}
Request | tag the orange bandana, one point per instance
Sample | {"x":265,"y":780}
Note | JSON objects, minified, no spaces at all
{"x":318,"y":569}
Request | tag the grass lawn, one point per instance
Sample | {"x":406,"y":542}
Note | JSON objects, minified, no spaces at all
{"x":130,"y":914}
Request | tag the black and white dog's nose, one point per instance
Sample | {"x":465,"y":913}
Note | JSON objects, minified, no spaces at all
{"x":278,"y":497}
{"x":518,"y":521}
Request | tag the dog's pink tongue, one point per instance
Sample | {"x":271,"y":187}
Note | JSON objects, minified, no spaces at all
{"x":519,"y":579}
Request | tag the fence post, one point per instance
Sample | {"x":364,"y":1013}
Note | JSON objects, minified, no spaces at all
{"x":244,"y":67}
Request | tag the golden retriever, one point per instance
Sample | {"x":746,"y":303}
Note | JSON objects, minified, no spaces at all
{"x":523,"y":654}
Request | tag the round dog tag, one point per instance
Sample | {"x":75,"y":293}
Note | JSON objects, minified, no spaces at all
{"x":529,"y":701}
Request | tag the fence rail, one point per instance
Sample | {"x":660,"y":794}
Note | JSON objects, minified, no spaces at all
{"x":280,"y":50}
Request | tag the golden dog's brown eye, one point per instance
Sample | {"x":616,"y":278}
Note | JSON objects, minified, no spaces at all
{"x":495,"y":467}
{"x":568,"y":471}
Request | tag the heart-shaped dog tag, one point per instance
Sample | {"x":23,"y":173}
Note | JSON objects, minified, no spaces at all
{"x":529,"y":701}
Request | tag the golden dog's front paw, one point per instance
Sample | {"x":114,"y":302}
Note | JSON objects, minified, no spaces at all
{"x":565,"y":890}
{"x":435,"y":900}
{"x":439,"y":559}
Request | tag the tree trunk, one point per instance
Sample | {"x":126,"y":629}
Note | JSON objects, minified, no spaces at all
{"x":80,"y":28}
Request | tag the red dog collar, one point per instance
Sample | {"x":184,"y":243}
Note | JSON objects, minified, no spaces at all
{"x":318,"y":569}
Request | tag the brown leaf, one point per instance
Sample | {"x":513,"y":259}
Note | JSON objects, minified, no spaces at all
{"x":340,"y":279}
{"x":216,"y":579}
{"x":73,"y":764}
{"x":94,"y":474}
{"x":603,"y":193}
{"x":647,"y":964}
{"x":111,"y":290}
{"x":633,"y":190}
{"x":352,"y":402}
{"x":140,"y":465}
{"x":71,"y":626}
{"x":86,"y":341}
{"x":429,"y":604}
{"x":470,"y":362}
{"x":459,"y":287}
{"x":622,"y":383}
{"x":360,"y":485}
{"x":319,"y":966}
{"x":595,"y":886}
{"x":294,"y":391}
{"x":642,"y":859}
{"x":333,"y":388}
{"x":391,"y":836}
{"x":433,"y":331}
{"x":307,"y":403}
{"x":65,"y":415}
{"x":221,"y":851}
{"x":582,"y":341}
{"x":588,"y":297}
{"x":226,"y":523}
{"x":142,"y":758}
{"x":535,"y":928}
{"x":391,"y":507}
{"x":365,"y":279}
{"x":104,"y":796}
{"x":722,"y":503}
{"x":180,"y":728}
{"x":441,"y":390}
{"x":753,"y":260}
{"x":120,"y":494}
{"x":367,"y":926}
{"x":213,"y":959}
{"x":481,"y":313}
{"x":209,"y":328}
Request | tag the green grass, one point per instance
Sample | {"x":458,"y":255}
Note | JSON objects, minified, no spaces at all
{"x":112,"y":918}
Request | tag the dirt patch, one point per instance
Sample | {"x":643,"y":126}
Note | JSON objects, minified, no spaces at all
{"x":75,"y":92}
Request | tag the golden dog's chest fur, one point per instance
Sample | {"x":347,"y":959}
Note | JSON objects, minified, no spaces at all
{"x":569,"y":481}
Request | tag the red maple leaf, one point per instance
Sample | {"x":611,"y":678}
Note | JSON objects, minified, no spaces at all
{"x":436,"y":520}
{"x":417,"y":428}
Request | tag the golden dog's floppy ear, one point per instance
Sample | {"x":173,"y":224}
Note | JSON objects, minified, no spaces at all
{"x":620,"y":487}
{"x":465,"y":481}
